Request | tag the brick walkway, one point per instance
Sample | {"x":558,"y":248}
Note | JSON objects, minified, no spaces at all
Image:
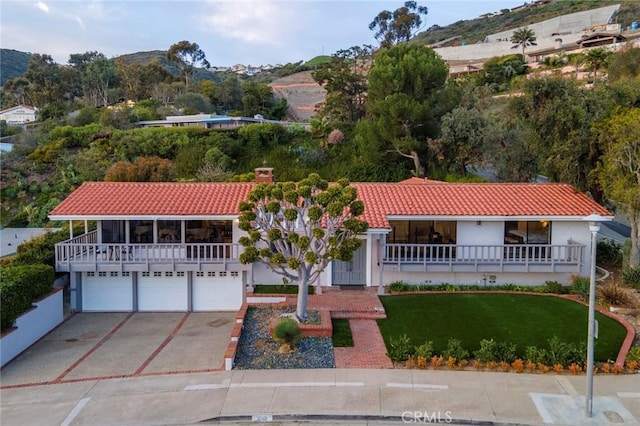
{"x":361,"y":308}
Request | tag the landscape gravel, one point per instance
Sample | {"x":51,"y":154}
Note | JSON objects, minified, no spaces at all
{"x":258,"y":351}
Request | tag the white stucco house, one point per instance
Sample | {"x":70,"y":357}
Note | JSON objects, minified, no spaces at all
{"x":20,"y":114}
{"x":174,"y":246}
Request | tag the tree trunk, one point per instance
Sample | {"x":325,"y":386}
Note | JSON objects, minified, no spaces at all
{"x":634,"y":255}
{"x":417,"y":165}
{"x":303,"y":290}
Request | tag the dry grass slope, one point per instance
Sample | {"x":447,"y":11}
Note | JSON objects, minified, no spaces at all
{"x":302,"y":95}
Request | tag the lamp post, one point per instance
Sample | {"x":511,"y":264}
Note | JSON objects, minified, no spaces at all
{"x":594,"y":220}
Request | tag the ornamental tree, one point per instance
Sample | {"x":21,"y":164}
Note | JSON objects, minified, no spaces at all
{"x":297,"y":229}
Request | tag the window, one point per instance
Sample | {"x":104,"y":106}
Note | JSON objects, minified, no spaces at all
{"x":145,"y":274}
{"x":234,"y":273}
{"x":113,"y":274}
{"x":157,"y":274}
{"x":113,"y":231}
{"x":168,"y":274}
{"x":211,"y":274}
{"x":422,"y":232}
{"x":209,"y":231}
{"x":180,"y":274}
{"x":91,"y":274}
{"x":102,"y":274}
{"x":527,"y":232}
{"x":141,"y":231}
{"x":169,"y":231}
{"x":199,"y":274}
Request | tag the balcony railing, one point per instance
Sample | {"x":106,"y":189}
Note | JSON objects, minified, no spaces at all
{"x":84,"y":253}
{"x":497,"y":258}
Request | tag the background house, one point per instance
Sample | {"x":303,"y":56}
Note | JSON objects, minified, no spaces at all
{"x":20,"y":114}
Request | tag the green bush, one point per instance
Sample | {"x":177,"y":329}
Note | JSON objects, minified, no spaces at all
{"x":425,"y":350}
{"x":565,"y":353}
{"x":553,"y":287}
{"x":609,"y":252}
{"x":580,"y":286}
{"x":399,"y":286}
{"x":399,"y":349}
{"x":631,"y":277}
{"x":287,"y":331}
{"x":634,"y":354}
{"x":455,"y":350}
{"x":19,"y":286}
{"x":537,"y":355}
{"x":487,"y":351}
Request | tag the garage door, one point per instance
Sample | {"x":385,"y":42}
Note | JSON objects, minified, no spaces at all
{"x":107,"y":291}
{"x":217,"y":291}
{"x":162,"y":291}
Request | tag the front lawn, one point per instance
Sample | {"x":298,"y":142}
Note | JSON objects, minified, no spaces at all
{"x":525,"y":320}
{"x":280,"y":289}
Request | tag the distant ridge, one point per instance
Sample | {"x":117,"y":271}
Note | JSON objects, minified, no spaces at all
{"x":13,"y":63}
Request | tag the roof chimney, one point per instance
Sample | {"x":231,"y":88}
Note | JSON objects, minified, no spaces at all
{"x":264,"y":175}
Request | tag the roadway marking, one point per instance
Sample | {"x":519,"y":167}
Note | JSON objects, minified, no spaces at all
{"x":417,"y":386}
{"x":629,"y":394}
{"x":227,"y":384}
{"x":74,"y":413}
{"x":568,"y":387}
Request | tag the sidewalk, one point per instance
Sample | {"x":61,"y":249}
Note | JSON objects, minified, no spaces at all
{"x":329,"y":396}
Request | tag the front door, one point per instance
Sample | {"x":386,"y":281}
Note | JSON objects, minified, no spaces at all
{"x":352,"y":272}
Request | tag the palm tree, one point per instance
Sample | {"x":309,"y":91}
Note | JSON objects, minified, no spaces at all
{"x":596,"y":59}
{"x":523,"y":37}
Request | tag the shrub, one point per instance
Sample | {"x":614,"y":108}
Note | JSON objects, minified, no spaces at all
{"x":19,"y":286}
{"x":425,"y":350}
{"x":613,"y":293}
{"x":287,"y":332}
{"x":609,"y":252}
{"x":536,"y":355}
{"x":580,"y":286}
{"x":451,"y":362}
{"x":575,"y":368}
{"x":518,"y":365}
{"x":553,"y":287}
{"x":399,"y":349}
{"x":631,"y":277}
{"x":421,"y":362}
{"x":487,"y":351}
{"x":558,"y":368}
{"x":505,"y":351}
{"x":455,"y":350}
{"x":436,"y":361}
{"x":634,"y":354}
{"x":399,"y":286}
{"x":410,"y":362}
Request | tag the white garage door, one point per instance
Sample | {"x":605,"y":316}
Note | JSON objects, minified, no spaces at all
{"x":162,"y":291}
{"x":107,"y":291}
{"x":217,"y":291}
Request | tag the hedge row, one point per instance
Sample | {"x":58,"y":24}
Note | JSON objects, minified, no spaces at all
{"x":19,"y":286}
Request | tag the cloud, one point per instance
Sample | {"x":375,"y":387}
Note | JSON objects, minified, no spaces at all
{"x":42,"y":6}
{"x":265,"y":22}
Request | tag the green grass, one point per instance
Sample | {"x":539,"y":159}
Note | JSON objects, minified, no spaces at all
{"x":318,"y":60}
{"x":525,"y":320}
{"x":341,"y":333}
{"x":279,"y":289}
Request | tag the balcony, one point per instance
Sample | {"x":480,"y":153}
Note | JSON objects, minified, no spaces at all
{"x":483,"y":258}
{"x":85,"y":254}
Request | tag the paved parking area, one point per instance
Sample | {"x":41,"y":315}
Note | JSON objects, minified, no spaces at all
{"x":108,"y":345}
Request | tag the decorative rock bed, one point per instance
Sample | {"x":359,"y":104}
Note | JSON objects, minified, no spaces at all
{"x":258,"y":350}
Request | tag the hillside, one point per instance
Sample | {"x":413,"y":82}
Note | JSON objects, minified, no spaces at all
{"x":13,"y":63}
{"x":302,"y":94}
{"x":161,"y":57}
{"x":475,"y":30}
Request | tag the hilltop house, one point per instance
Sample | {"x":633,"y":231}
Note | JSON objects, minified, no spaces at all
{"x":174,"y":246}
{"x":20,"y":114}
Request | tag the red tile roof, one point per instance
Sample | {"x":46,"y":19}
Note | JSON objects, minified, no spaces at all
{"x":381,"y":200}
{"x":157,"y":198}
{"x":473,"y":199}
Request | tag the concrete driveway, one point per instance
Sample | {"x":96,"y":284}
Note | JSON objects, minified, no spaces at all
{"x":92,"y":346}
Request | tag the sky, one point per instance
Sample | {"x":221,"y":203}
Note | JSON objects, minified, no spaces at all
{"x":229,"y":32}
